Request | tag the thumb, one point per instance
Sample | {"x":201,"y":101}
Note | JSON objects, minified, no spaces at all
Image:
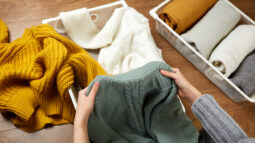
{"x":168,"y":74}
{"x":94,"y":90}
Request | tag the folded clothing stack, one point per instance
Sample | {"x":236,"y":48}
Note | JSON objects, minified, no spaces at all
{"x":212,"y":28}
{"x":214,"y":38}
{"x":182,"y":14}
{"x":125,"y":41}
{"x":139,"y":106}
{"x":228,"y":55}
{"x":244,"y":76}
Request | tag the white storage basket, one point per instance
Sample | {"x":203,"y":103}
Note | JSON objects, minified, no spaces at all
{"x":102,"y":14}
{"x":201,"y":63}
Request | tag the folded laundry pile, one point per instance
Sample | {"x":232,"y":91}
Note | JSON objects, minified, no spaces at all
{"x":229,"y":54}
{"x":216,"y":37}
{"x":35,"y":72}
{"x":212,"y":28}
{"x":125,"y":41}
{"x":182,"y":14}
{"x":139,"y":106}
{"x":244,"y":77}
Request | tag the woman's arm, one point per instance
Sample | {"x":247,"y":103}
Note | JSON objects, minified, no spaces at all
{"x":216,"y":122}
{"x":84,"y":108}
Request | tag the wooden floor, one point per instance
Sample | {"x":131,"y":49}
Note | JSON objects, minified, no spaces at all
{"x":21,"y":14}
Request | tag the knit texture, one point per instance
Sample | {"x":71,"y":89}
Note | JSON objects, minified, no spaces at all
{"x":217,"y":123}
{"x":35,"y":72}
{"x":125,"y":41}
{"x":244,"y":76}
{"x":140,"y":106}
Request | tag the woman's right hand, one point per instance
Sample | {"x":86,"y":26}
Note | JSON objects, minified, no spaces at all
{"x":185,"y":89}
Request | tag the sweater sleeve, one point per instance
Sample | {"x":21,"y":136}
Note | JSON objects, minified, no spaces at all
{"x":217,"y":123}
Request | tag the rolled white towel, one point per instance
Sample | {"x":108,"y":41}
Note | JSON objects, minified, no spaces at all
{"x":228,"y":55}
{"x":213,"y":27}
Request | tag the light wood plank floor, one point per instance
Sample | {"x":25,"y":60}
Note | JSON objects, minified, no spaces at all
{"x":21,"y":14}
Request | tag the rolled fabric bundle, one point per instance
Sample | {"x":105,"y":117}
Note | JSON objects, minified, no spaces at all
{"x":213,"y":27}
{"x":244,"y":77}
{"x":228,"y":55}
{"x":181,"y":14}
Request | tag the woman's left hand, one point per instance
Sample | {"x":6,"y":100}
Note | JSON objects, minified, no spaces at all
{"x":85,"y":105}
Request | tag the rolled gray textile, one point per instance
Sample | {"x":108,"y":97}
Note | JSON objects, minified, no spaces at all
{"x":244,"y":77}
{"x":213,"y":27}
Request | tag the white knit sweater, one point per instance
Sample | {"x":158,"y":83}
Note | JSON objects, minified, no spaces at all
{"x":125,"y":40}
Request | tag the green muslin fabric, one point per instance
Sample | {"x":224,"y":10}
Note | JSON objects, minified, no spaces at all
{"x":140,"y":106}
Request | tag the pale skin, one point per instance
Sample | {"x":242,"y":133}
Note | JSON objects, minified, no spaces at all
{"x":84,"y":108}
{"x":86,"y":103}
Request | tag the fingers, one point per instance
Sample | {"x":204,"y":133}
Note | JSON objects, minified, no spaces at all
{"x":94,"y":90}
{"x":92,"y":93}
{"x":168,"y":74}
{"x":176,"y":70}
{"x":85,"y":91}
{"x":82,"y":92}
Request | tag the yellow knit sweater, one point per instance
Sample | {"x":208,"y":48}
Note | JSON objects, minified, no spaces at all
{"x":35,"y":73}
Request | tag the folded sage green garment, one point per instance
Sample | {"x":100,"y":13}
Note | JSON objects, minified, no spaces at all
{"x":140,"y":106}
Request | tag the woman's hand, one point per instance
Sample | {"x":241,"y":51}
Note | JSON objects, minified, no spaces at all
{"x":185,"y":89}
{"x":85,"y":105}
{"x":84,"y":108}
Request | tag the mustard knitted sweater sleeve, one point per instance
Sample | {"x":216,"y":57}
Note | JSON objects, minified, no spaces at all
{"x":35,"y":72}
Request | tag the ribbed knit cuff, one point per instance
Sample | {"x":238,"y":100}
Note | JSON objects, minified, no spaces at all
{"x":218,"y":124}
{"x":19,"y":104}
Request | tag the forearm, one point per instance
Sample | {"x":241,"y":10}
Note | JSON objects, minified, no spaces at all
{"x":218,"y":124}
{"x":80,"y":134}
